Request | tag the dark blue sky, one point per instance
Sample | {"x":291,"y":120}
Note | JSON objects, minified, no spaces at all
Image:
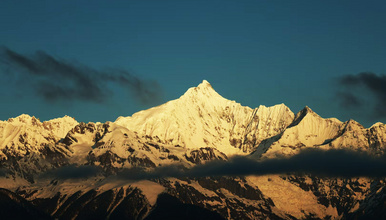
{"x":254,"y":52}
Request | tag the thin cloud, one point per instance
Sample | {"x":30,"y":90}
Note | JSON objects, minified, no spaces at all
{"x":59,"y":80}
{"x":352,"y":84}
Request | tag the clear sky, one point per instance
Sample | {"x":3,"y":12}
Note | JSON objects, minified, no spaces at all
{"x":254,"y":52}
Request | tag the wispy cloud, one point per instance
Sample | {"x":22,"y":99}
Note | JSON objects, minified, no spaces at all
{"x":57,"y":80}
{"x":348,"y":100}
{"x":354,"y":85}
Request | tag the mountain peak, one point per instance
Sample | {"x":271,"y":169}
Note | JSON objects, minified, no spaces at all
{"x":203,"y":91}
{"x":65,"y":118}
{"x":377,"y":124}
{"x":307,"y":109}
{"x":204,"y":84}
{"x":352,"y":125}
{"x":204,"y":87}
{"x":301,"y":114}
{"x":24,"y":119}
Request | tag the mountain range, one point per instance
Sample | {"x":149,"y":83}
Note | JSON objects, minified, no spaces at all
{"x":66,"y":169}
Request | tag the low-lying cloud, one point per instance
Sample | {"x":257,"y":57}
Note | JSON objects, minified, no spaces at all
{"x":331,"y":163}
{"x":354,"y":85}
{"x":57,"y":80}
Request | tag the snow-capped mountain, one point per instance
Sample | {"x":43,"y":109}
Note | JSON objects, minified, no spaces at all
{"x":202,"y":118}
{"x":198,"y":127}
{"x":309,"y":130}
{"x":25,"y":134}
{"x":28,"y":146}
{"x":122,"y":148}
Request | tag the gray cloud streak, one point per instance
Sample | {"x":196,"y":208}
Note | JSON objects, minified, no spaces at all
{"x":331,"y":163}
{"x":59,"y":80}
{"x":353,"y":84}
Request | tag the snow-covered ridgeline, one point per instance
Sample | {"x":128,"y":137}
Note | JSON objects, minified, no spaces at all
{"x":309,"y":130}
{"x":28,"y":134}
